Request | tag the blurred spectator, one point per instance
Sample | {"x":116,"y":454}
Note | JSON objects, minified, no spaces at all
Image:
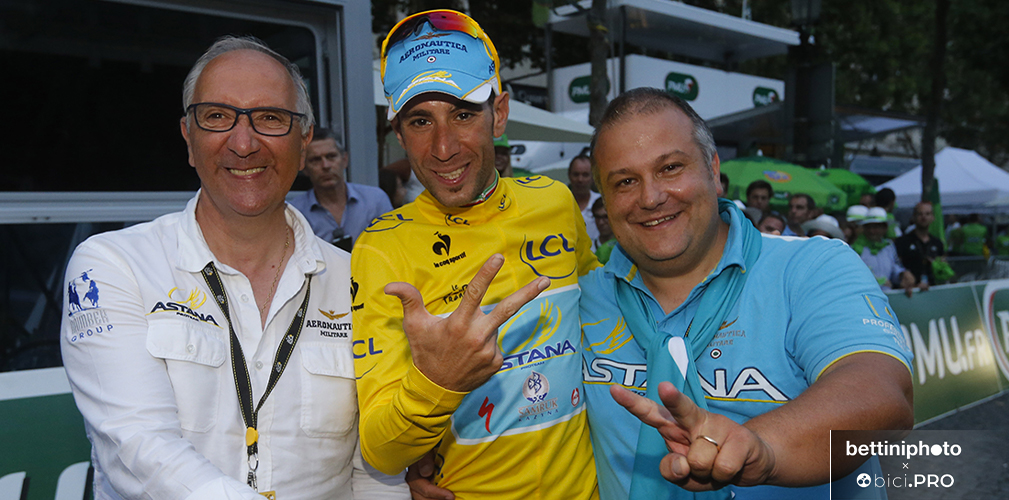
{"x":603,"y":245}
{"x":970,"y":238}
{"x":867,"y":200}
{"x":503,"y":156}
{"x":824,"y":225}
{"x":758,"y":195}
{"x":1001,"y":244}
{"x":801,"y":208}
{"x":580,"y":182}
{"x":879,"y":253}
{"x":390,"y":182}
{"x":753,"y":214}
{"x":724,"y":179}
{"x":410,"y":183}
{"x":887,"y":200}
{"x":918,"y":249}
{"x":771,"y":224}
{"x":336,"y":209}
{"x":856,"y":214}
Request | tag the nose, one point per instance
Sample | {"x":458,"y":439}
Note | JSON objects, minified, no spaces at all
{"x":445,"y":143}
{"x":243,"y":140}
{"x":652,"y":195}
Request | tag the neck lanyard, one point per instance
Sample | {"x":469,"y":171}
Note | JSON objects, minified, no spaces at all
{"x":241,"y":372}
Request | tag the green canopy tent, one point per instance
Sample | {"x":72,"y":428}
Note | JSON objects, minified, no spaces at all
{"x":852,"y":184}
{"x":786,"y":179}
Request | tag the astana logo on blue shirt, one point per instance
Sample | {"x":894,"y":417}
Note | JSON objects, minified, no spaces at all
{"x":536,"y":387}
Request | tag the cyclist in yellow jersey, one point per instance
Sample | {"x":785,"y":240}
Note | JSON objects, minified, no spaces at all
{"x":505,"y":414}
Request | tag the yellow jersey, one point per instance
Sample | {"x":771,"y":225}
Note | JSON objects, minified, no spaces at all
{"x":524,"y":433}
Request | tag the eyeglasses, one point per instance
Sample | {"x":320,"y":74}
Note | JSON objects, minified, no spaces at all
{"x":443,"y":20}
{"x":217,"y":117}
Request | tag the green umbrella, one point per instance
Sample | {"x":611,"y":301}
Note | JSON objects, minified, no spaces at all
{"x":786,"y":179}
{"x":852,"y":184}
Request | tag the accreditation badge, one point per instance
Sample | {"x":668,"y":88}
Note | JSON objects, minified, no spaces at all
{"x":272,"y":495}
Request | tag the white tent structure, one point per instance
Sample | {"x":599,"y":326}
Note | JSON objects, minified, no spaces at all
{"x":968,"y":183}
{"x":525,"y":122}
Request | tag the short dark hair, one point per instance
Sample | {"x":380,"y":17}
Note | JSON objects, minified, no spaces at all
{"x":759,"y":184}
{"x":323,"y":133}
{"x":596,"y":205}
{"x":810,"y":202}
{"x":648,"y":101}
{"x":573,"y":160}
{"x":884,"y":197}
{"x":771,"y":215}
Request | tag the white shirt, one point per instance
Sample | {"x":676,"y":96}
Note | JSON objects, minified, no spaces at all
{"x":590,"y":220}
{"x":146,"y":349}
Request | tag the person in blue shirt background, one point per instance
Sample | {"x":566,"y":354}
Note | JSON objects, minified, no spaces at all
{"x":336,"y":209}
{"x":762,"y":344}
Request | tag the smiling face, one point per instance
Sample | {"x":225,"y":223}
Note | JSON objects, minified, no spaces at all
{"x":660,"y":196}
{"x":241,"y":171}
{"x":450,"y":144}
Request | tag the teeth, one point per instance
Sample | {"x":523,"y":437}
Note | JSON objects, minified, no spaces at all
{"x":453,"y":174}
{"x":244,"y":173}
{"x":656,"y":222}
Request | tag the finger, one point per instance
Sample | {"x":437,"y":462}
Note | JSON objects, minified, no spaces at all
{"x":409,"y":296}
{"x":512,"y":303}
{"x":423,"y":489}
{"x":681,"y":407}
{"x":674,"y":467}
{"x":478,"y":286}
{"x":730,"y":460}
{"x":648,"y":411}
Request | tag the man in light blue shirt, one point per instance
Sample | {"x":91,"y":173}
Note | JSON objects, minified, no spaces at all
{"x":770,"y":342}
{"x":337,"y":210}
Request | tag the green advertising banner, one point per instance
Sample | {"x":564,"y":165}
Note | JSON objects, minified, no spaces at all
{"x":46,"y":453}
{"x":955,"y":360}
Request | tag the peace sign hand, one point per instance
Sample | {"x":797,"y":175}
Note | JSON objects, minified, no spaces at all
{"x":460,"y":352}
{"x":707,"y":450}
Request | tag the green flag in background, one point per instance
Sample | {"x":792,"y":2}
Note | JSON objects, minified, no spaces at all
{"x":938,"y":227}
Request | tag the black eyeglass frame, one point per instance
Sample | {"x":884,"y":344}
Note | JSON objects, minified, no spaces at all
{"x":248,"y":112}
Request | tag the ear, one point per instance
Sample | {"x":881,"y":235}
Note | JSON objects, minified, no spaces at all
{"x":305,"y":141}
{"x":189,"y":144}
{"x":500,"y":114}
{"x":397,"y":128}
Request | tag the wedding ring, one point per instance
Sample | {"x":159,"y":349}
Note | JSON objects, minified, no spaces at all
{"x":712,"y":441}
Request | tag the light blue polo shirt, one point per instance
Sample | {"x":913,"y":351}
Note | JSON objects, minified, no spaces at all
{"x":807,"y":302}
{"x":364,"y":204}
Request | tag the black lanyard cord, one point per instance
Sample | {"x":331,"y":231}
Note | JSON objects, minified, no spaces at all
{"x":243,"y":384}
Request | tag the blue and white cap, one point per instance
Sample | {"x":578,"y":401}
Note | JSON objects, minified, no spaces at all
{"x":450,"y":62}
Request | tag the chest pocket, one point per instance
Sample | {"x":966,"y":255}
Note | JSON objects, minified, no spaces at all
{"x":328,"y":389}
{"x":193,"y":354}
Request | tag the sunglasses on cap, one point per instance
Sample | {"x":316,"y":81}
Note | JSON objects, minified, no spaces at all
{"x":442,"y":20}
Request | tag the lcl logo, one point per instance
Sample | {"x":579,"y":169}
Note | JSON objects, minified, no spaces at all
{"x":539,"y":256}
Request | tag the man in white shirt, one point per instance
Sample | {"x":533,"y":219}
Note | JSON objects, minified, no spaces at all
{"x":210,"y":351}
{"x":580,"y":183}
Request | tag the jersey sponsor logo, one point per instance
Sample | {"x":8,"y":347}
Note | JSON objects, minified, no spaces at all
{"x":547,"y":324}
{"x":750,"y":380}
{"x":455,"y":220}
{"x":504,"y":204}
{"x":443,"y":246}
{"x":331,"y":328}
{"x":332,"y":315}
{"x":617,"y":338}
{"x":185,"y":305}
{"x":716,"y":353}
{"x":537,"y":354}
{"x":85,"y":321}
{"x":535,"y":182}
{"x":486,"y":409}
{"x":541,"y":255}
{"x":363,"y":349}
{"x":603,"y":370}
{"x":536,"y":388}
{"x":576,"y":397}
{"x":354,"y":287}
{"x":386,"y":222}
{"x":456,"y":294}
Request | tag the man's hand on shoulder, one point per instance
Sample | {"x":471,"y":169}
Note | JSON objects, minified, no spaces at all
{"x":461,"y":352}
{"x":707,"y":450}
